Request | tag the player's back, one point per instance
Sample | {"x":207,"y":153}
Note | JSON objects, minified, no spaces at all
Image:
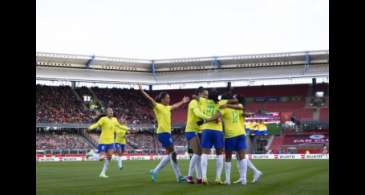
{"x":210,"y":108}
{"x":232,"y":122}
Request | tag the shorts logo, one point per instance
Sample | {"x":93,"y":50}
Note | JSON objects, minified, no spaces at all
{"x":170,"y":139}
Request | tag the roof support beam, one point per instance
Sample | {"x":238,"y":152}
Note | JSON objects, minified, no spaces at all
{"x":90,"y":62}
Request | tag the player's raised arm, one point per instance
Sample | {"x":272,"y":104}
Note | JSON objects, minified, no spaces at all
{"x":147,"y":96}
{"x":178,"y":104}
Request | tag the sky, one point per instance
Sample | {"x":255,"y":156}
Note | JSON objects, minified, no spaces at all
{"x":160,"y":29}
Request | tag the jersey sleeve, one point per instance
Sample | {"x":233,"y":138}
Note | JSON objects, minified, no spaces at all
{"x":97,"y":124}
{"x":196,"y":110}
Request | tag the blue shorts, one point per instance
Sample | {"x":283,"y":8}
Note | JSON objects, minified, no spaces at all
{"x":105,"y":147}
{"x":165,"y":139}
{"x":235,"y":143}
{"x":190,"y":135}
{"x":212,"y":138}
{"x":119,"y":147}
{"x":200,"y":136}
{"x":262,"y":132}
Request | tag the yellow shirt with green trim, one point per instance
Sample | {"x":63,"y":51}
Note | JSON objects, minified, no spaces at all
{"x":193,"y":116}
{"x":107,"y":126}
{"x":121,"y":131}
{"x":233,"y":122}
{"x":163,"y":116}
{"x":261,"y":127}
{"x":210,"y":108}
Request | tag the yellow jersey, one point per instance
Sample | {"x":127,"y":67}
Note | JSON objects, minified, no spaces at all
{"x":120,"y":133}
{"x":232,"y":122}
{"x":210,"y":108}
{"x":163,"y":116}
{"x":107,"y":126}
{"x":193,"y":116}
{"x":261,"y":127}
{"x":248,"y":125}
{"x":253,"y":126}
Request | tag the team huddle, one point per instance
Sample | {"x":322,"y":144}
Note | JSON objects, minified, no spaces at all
{"x":212,"y":121}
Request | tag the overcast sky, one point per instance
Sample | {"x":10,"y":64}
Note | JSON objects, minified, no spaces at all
{"x":155,"y":29}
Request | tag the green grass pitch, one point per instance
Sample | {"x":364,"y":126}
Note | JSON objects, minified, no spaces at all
{"x":281,"y":177}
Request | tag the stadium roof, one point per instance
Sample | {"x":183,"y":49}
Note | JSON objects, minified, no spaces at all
{"x":280,"y":68}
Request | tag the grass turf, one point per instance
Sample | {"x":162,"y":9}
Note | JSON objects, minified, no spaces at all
{"x":281,"y":177}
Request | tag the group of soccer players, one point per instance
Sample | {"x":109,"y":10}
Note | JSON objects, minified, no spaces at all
{"x":211,"y":122}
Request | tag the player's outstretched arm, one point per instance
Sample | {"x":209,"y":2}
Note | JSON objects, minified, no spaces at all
{"x":147,"y":96}
{"x":96,"y":125}
{"x":178,"y":104}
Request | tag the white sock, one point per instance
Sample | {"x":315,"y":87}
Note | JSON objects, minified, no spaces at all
{"x":243,"y":169}
{"x":192,"y":163}
{"x":175,"y":167}
{"x":120,"y":162}
{"x":251,"y":166}
{"x":204,"y":165}
{"x":198,"y":168}
{"x":227,"y":166}
{"x":105,"y":166}
{"x":219,"y":166}
{"x":165,"y":160}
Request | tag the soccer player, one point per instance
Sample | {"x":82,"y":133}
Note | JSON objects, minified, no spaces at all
{"x":106,"y":141}
{"x":250,"y":165}
{"x":162,"y":110}
{"x":261,"y":128}
{"x":235,"y":140}
{"x":120,"y":141}
{"x":212,"y":135}
{"x":191,"y":132}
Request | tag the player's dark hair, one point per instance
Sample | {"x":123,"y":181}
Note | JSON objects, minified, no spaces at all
{"x":161,"y":96}
{"x":241,"y":99}
{"x":199,"y":90}
{"x":213,"y":95}
{"x":227,"y":96}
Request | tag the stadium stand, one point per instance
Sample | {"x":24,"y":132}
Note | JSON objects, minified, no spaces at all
{"x":61,"y":140}
{"x":64,"y":104}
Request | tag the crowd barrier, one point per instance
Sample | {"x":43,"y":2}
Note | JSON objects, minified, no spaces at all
{"x":186,"y":157}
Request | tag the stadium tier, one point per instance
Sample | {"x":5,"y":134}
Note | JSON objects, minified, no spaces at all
{"x":58,"y":141}
{"x":64,"y":104}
